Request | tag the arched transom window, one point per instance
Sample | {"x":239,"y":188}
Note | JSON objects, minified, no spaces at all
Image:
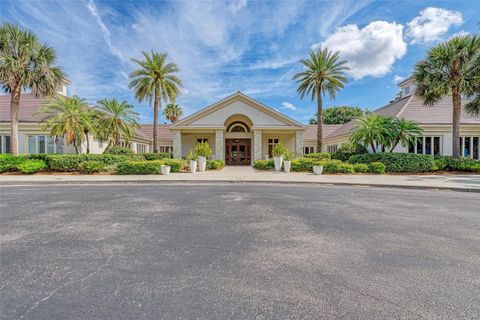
{"x":238,"y":126}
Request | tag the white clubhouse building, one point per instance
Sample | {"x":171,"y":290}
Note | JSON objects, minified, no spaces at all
{"x":240,"y":130}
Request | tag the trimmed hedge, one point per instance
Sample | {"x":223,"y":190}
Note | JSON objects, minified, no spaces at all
{"x":264,"y":164}
{"x":70,"y":162}
{"x":303,"y":164}
{"x":120,"y":151}
{"x":376,"y":167}
{"x":319,"y":155}
{"x":89,"y":167}
{"x":215,"y":164}
{"x":139,"y":167}
{"x":360,"y":168}
{"x":449,"y":163}
{"x":347,"y":150}
{"x":397,"y":162}
{"x":156,"y":156}
{"x":9,"y":163}
{"x":176,"y":165}
{"x":336,"y":166}
{"x":31,"y":166}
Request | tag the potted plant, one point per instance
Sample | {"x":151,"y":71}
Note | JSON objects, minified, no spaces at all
{"x":203,"y":151}
{"x":278,"y":152}
{"x":287,"y":162}
{"x":165,"y":169}
{"x":192,"y":157}
{"x":317,"y":169}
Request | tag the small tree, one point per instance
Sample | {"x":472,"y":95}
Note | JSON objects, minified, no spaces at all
{"x":202,"y":149}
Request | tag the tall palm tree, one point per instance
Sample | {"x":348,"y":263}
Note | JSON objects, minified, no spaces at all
{"x":451,"y":68}
{"x":69,"y":118}
{"x":25,"y":64}
{"x":155,"y":80}
{"x":324,"y":74}
{"x":118,"y":120}
{"x":172,"y":112}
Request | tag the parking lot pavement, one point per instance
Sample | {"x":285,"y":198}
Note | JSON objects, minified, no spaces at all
{"x":238,"y":251}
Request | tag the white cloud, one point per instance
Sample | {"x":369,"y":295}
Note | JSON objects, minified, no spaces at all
{"x":105,"y":31}
{"x":289,"y":106}
{"x":397,"y":78}
{"x":432,"y":23}
{"x":460,"y":33}
{"x":370,"y":51}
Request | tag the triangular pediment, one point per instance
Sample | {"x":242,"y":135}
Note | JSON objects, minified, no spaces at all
{"x":215,"y":115}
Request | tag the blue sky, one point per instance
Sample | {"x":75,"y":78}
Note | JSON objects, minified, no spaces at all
{"x":248,"y":46}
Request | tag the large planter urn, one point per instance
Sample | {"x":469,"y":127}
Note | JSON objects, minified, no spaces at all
{"x":278,"y":163}
{"x":202,"y":163}
{"x":165,"y":169}
{"x":286,"y":165}
{"x":193,"y":166}
{"x":317,"y":170}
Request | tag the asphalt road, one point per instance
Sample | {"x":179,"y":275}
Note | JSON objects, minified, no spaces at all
{"x":238,"y":252}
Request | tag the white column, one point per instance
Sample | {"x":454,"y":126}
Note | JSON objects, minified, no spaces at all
{"x":219,"y":143}
{"x":133,"y":146}
{"x":177,"y":144}
{"x":257,"y":145}
{"x":298,"y":143}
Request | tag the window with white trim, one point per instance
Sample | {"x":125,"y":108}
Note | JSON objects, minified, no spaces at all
{"x":167,"y":149}
{"x":272,"y":142}
{"x":470,"y":147}
{"x":426,"y":145}
{"x":308,"y":149}
{"x":4,"y":144}
{"x":332,"y":148}
{"x":45,"y":144}
{"x":141,"y":148}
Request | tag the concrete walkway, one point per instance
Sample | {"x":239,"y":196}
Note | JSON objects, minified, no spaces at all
{"x":248,"y":174}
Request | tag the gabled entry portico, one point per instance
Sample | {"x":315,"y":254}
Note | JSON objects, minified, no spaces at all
{"x":238,"y":129}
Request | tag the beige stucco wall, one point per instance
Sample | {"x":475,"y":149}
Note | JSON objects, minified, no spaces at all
{"x":287,"y":138}
{"x":189,"y":140}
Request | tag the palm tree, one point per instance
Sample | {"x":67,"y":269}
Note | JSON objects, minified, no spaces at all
{"x":404,"y":132}
{"x":25,"y":64}
{"x":323,"y":74}
{"x":117,"y":120}
{"x":155,"y":80}
{"x":69,"y":118}
{"x":451,"y":68}
{"x":172,"y":112}
{"x":372,"y":131}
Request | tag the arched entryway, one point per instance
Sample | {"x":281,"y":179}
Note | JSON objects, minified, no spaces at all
{"x":238,"y":140}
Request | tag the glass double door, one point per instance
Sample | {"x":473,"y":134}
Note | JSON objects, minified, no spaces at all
{"x":238,"y":151}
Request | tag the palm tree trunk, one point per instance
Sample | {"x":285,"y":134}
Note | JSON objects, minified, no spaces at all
{"x":319,"y":122}
{"x":88,"y":142}
{"x":374,"y":149}
{"x":155,"y":118}
{"x":457,"y":113}
{"x":14,"y":106}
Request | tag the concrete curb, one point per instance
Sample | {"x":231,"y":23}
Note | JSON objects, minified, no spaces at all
{"x":180,"y":181}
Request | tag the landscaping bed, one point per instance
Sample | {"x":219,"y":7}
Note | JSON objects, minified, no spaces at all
{"x":149,"y":163}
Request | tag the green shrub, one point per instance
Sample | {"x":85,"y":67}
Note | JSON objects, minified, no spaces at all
{"x":215,"y":164}
{"x":122,"y":151}
{"x":70,"y":162}
{"x":263,"y":164}
{"x":303,"y":164}
{"x":336,"y":166}
{"x":10,"y":162}
{"x":156,"y":156}
{"x":176,"y":164}
{"x":397,"y":162}
{"x":203,"y":149}
{"x":31,"y":166}
{"x":139,"y":167}
{"x":279,"y":150}
{"x":319,"y":155}
{"x":347,"y":150}
{"x":449,"y":163}
{"x":376,"y":167}
{"x":360,"y":168}
{"x":91,"y":166}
